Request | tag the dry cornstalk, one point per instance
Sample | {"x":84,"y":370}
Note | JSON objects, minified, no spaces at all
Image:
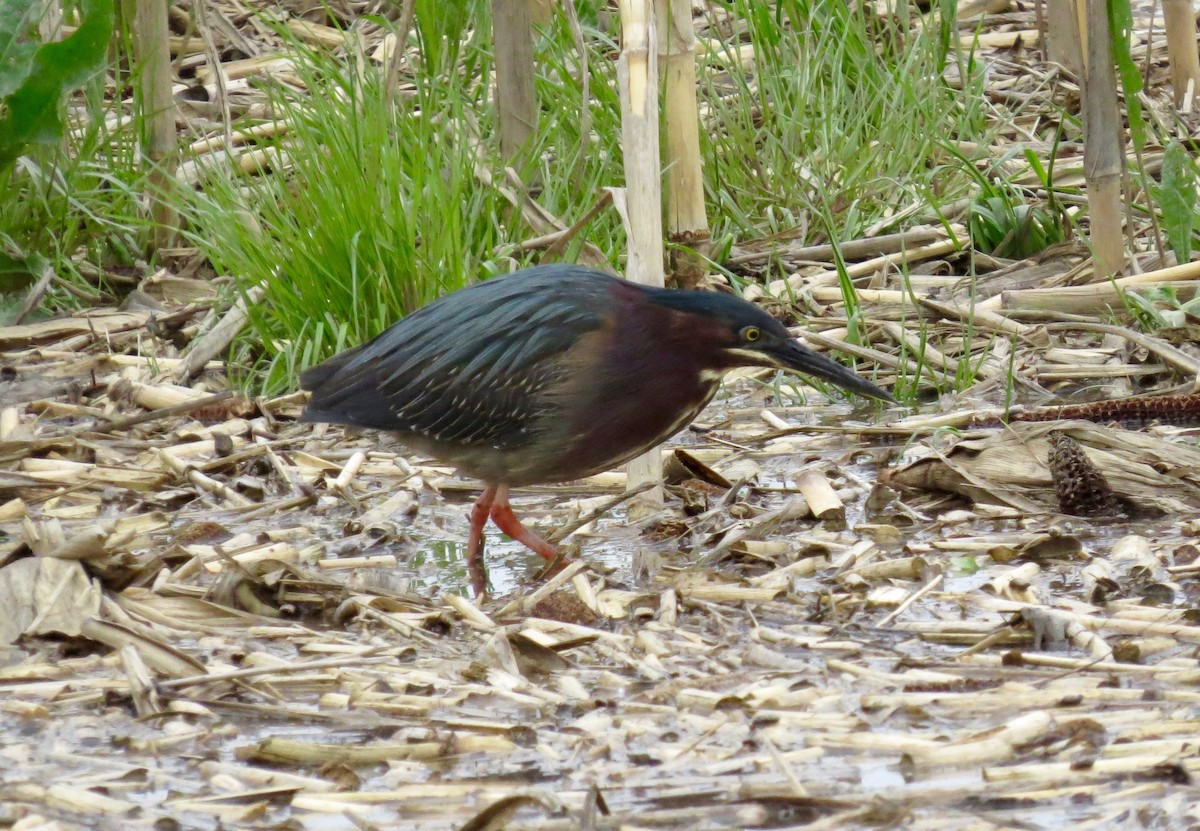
{"x":151,"y":47}
{"x":1102,"y":147}
{"x":903,"y":568}
{"x":516,"y":98}
{"x":1010,"y":39}
{"x":208,"y":345}
{"x":1049,"y":773}
{"x":687,"y":222}
{"x":289,"y":751}
{"x":247,"y":67}
{"x":152,"y":396}
{"x":1094,"y":298}
{"x":798,"y":281}
{"x":730,"y":593}
{"x":990,"y":748}
{"x":1066,"y":34}
{"x":84,"y":801}
{"x":637,"y":76}
{"x":822,"y":499}
{"x":1179,"y":17}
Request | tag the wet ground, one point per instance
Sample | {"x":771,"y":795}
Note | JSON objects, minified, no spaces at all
{"x":743,"y":667}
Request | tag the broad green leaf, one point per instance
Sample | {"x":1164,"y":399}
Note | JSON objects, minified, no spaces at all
{"x":17,"y":47}
{"x":1177,"y":198}
{"x":1192,"y":307}
{"x":33,"y":108}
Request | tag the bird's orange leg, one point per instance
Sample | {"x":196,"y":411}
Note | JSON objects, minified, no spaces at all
{"x":479,"y":517}
{"x":506,"y":521}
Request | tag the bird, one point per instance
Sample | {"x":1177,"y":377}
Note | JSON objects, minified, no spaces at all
{"x":550,"y":374}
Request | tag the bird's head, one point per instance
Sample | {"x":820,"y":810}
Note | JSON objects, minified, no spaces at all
{"x":733,"y":333}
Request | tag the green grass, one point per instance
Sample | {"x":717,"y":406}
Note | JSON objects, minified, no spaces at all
{"x":70,"y":188}
{"x":827,"y":123}
{"x":571,"y":166}
{"x":377,"y":213}
{"x":77,"y":203}
{"x":1005,"y":225}
{"x":381,"y":209}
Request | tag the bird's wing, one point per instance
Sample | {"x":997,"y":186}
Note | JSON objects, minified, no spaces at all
{"x":472,"y":369}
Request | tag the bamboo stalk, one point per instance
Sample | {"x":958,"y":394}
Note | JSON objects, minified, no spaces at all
{"x":637,"y":75}
{"x":1180,"y":19}
{"x":516,"y":98}
{"x":687,"y":222}
{"x":151,"y":46}
{"x":1066,"y":34}
{"x":1102,"y":152}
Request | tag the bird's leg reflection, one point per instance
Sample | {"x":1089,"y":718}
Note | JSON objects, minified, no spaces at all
{"x":479,"y":517}
{"x":476,"y":569}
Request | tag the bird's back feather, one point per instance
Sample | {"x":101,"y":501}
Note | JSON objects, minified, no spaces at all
{"x":468,"y":370}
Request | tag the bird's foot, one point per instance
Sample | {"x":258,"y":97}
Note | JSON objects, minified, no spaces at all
{"x":553,"y":567}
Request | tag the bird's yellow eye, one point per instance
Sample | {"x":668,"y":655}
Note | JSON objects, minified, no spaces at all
{"x":751,"y":333}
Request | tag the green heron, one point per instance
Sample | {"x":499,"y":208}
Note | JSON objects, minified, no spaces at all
{"x":550,"y":374}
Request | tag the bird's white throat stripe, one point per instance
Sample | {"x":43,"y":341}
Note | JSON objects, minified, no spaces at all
{"x":754,"y":357}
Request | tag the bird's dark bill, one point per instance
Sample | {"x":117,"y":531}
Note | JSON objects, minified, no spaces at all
{"x":793,"y":356}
